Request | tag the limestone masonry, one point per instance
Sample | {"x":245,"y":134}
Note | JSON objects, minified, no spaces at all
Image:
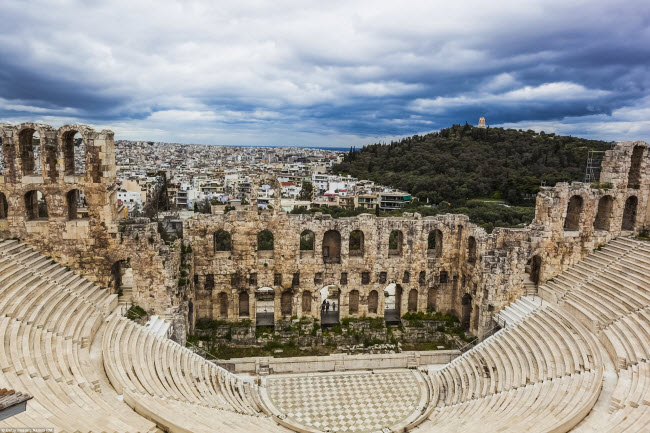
{"x":266,"y":265}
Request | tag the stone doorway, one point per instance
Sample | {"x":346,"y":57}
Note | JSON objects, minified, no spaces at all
{"x":330,"y":316}
{"x":265,"y":307}
{"x":392,"y":310}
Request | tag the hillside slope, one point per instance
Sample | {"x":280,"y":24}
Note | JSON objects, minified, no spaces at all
{"x":464,"y":162}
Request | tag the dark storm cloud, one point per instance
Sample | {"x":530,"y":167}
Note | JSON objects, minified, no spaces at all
{"x":326,"y":73}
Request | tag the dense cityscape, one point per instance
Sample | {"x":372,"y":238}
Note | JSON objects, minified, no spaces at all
{"x":199,"y":176}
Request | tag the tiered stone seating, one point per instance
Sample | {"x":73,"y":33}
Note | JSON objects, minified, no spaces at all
{"x":160,"y":379}
{"x":46,"y":326}
{"x":517,"y":310}
{"x":543,"y":372}
{"x":551,"y":405}
{"x":544,"y":345}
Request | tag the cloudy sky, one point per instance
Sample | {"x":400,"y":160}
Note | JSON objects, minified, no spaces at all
{"x":324,"y":73}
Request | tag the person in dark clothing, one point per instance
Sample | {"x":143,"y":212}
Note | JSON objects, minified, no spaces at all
{"x":333,"y":306}
{"x":327,"y":306}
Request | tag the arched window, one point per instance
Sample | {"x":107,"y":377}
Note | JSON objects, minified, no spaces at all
{"x":223,"y":305}
{"x":307,"y":241}
{"x":466,"y":311}
{"x":74,"y":153}
{"x":413,"y":300}
{"x":306,"y":302}
{"x":373,"y":302}
{"x":356,"y":243}
{"x":30,"y":151}
{"x":77,"y":207}
{"x":629,"y":213}
{"x":395,"y":242}
{"x":573,"y":211}
{"x":406,"y":278}
{"x":434,"y":243}
{"x":353,"y":303}
{"x":265,"y":241}
{"x":603,"y":216}
{"x":471,"y":249}
{"x":332,"y":247}
{"x":244,"y":304}
{"x":35,"y":205}
{"x":222,"y":241}
{"x":431,"y":299}
{"x":285,"y":303}
{"x":4,"y":206}
{"x":634,"y":175}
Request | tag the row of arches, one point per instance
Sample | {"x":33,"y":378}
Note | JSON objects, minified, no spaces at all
{"x":604,"y":213}
{"x":265,"y":298}
{"x":37,"y":156}
{"x":331,"y":243}
{"x":36,"y":207}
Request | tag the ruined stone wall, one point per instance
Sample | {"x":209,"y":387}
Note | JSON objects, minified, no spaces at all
{"x":245,"y":269}
{"x":499,"y":274}
{"x":469,"y":272}
{"x":91,"y":245}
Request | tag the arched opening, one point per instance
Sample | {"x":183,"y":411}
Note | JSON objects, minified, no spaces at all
{"x":307,"y":241}
{"x":4,"y":206}
{"x":77,"y":206}
{"x":373,"y":302}
{"x":244,"y":304}
{"x":629,"y":213}
{"x":29,"y":143}
{"x":265,"y":241}
{"x":264,"y":306}
{"x":434,"y":243}
{"x":471,"y":250}
{"x":406,"y":278}
{"x":286,"y":303}
{"x":422,"y":278}
{"x":74,"y":153}
{"x":353,"y":302}
{"x":35,"y":205}
{"x":573,"y":211}
{"x":356,"y":243}
{"x":222,"y":301}
{"x":604,"y":213}
{"x":393,"y":295}
{"x":466,"y":311}
{"x":330,"y":305}
{"x":413,"y":300}
{"x":634,"y":175}
{"x":122,"y":276}
{"x":332,"y":247}
{"x":431,"y":300}
{"x":306,"y":302}
{"x":395,"y":241}
{"x":533,"y":268}
{"x":222,"y":241}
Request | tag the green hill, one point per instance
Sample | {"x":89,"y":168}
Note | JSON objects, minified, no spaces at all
{"x":464,"y":162}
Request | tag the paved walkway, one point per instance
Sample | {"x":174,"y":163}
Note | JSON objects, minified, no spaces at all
{"x":347,"y":402}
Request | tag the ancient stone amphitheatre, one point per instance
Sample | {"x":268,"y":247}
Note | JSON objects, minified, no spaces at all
{"x":561,"y":307}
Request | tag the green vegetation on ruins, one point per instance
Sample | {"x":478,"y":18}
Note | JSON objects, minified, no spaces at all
{"x":303,"y":337}
{"x":489,"y":174}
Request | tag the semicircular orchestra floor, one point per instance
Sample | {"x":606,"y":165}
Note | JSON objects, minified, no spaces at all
{"x":351,"y":402}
